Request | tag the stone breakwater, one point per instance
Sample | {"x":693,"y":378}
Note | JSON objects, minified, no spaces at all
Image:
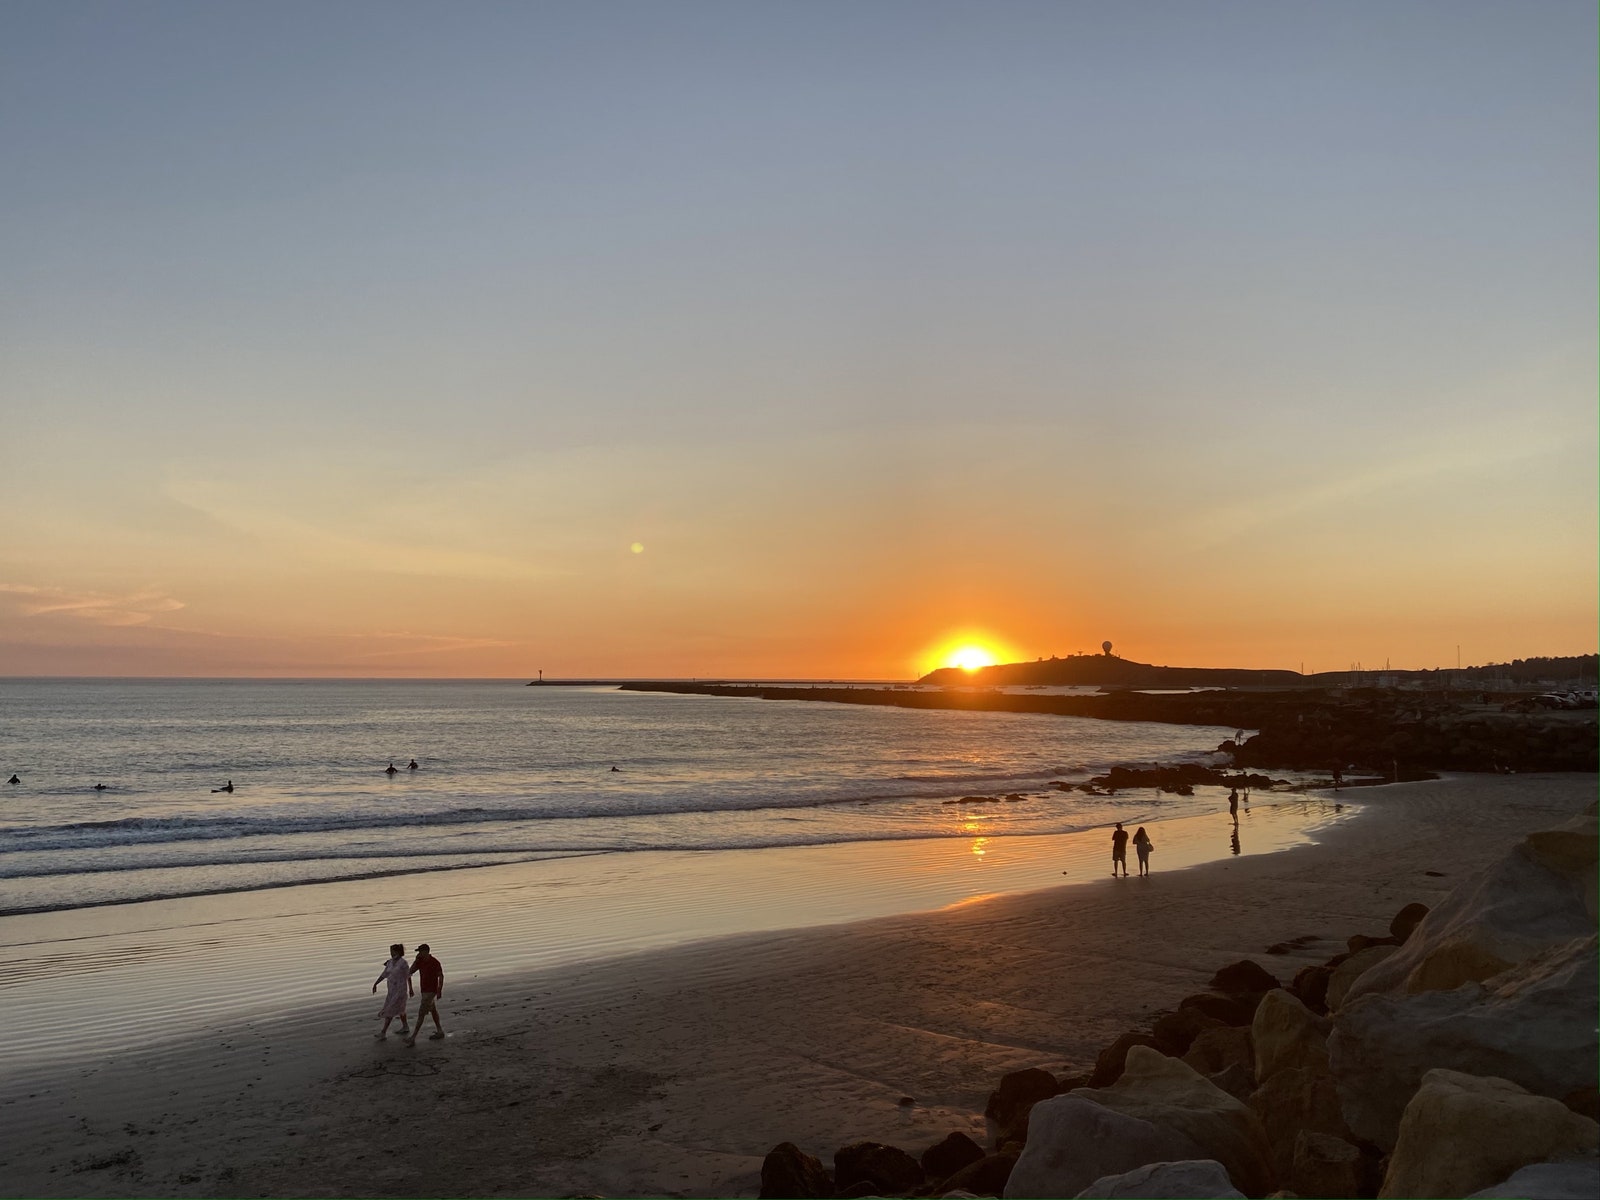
{"x":1452,"y":1055}
{"x":1400,"y":735}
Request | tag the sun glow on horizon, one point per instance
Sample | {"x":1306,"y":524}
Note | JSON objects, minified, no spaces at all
{"x":969,"y":651}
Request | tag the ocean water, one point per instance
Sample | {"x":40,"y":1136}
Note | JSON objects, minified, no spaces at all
{"x":506,"y":774}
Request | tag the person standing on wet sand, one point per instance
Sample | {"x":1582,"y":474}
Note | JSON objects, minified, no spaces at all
{"x":432,"y":972}
{"x":1141,"y":847}
{"x":1119,"y":850}
{"x":1233,"y":803}
{"x":398,"y":973}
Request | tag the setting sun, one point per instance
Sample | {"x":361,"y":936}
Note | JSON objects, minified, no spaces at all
{"x":969,"y":650}
{"x":970,"y":658}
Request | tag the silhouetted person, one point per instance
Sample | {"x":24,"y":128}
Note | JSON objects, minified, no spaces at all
{"x":1119,"y":850}
{"x":1234,"y":839}
{"x":412,"y":765}
{"x":99,"y":787}
{"x":13,"y":779}
{"x":1338,"y":779}
{"x":1233,"y":803}
{"x":616,"y":768}
{"x":227,"y":787}
{"x":432,"y":972}
{"x":391,"y":769}
{"x":1142,"y":847}
{"x":398,"y":974}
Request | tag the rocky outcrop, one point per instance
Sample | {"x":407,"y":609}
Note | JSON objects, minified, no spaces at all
{"x":1574,"y":1180}
{"x":1325,"y":1167}
{"x":986,"y":1177}
{"x":1218,"y":1049}
{"x":1235,"y":1009}
{"x":1174,"y":1032}
{"x":1197,"y":1177}
{"x":1006,"y":1114}
{"x":1347,"y":973}
{"x":1244,"y":976}
{"x":1171,"y":1095}
{"x":1285,"y":1033}
{"x":887,"y":1170}
{"x":1295,"y":1101}
{"x":1540,"y":895}
{"x":1109,"y":1065}
{"x":944,"y":1159}
{"x":1462,"y":1133}
{"x":788,"y":1173}
{"x":1073,"y":1141}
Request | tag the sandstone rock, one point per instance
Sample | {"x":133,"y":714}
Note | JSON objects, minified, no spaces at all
{"x":887,"y":1169}
{"x":1576,"y":1180}
{"x":1462,"y":1133}
{"x":1172,"y":1095}
{"x":1175,"y":1032}
{"x":986,"y":1177}
{"x":1406,"y":920}
{"x":788,"y":1173}
{"x":1199,"y":1177}
{"x":1353,"y":968}
{"x":1108,"y":1066}
{"x":1244,"y":976}
{"x":1230,"y":1010}
{"x":1540,"y":895}
{"x":1311,"y":985}
{"x":1075,"y":1141}
{"x":944,"y":1159}
{"x":1325,"y":1167}
{"x":1006,"y":1114}
{"x":1222,"y":1047}
{"x":1292,"y":1102}
{"x":1533,"y":1025}
{"x":1285,"y":1033}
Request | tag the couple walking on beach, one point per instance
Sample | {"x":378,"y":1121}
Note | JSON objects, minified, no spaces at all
{"x":397,"y":972}
{"x":1119,"y":850}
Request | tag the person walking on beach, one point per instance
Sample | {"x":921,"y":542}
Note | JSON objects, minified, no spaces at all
{"x":432,"y":972}
{"x":1119,"y":850}
{"x":398,"y":974}
{"x":1141,"y":846}
{"x":1233,"y":803}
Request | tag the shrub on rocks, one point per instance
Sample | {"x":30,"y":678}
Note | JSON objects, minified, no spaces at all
{"x":944,"y":1159}
{"x":887,"y":1169}
{"x":788,"y":1173}
{"x":1006,"y":1114}
{"x":1462,"y":1133}
{"x":1196,"y":1177}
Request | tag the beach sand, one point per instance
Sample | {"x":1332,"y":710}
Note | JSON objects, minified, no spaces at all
{"x":673,"y":1071}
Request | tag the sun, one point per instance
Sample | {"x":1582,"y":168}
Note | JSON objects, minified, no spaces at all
{"x":967,"y":650}
{"x":970,"y":657}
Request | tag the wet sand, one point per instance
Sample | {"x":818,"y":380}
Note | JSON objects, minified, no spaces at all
{"x":673,"y":1070}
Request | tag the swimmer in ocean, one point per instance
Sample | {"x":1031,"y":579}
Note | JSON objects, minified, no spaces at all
{"x":412,"y":765}
{"x":391,"y":769}
{"x":227,"y":787}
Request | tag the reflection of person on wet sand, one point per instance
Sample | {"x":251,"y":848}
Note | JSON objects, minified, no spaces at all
{"x":1119,"y":850}
{"x":398,"y":973}
{"x":1142,"y":847}
{"x":1233,"y":841}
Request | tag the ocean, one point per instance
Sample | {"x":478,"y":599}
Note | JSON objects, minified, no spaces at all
{"x":505,"y":774}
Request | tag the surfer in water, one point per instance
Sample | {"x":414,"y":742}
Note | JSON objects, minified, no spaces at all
{"x":391,"y":769}
{"x":227,"y":787}
{"x":412,"y":765}
{"x":13,"y":779}
{"x":99,"y":787}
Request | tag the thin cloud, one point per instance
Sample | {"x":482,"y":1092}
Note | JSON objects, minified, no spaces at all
{"x":96,"y":608}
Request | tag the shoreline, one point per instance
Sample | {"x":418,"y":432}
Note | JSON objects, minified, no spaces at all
{"x":674,"y":1071}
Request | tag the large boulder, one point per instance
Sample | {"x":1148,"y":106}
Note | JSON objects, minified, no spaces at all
{"x":789,"y":1173}
{"x":1577,"y":1179}
{"x":1172,"y":1095}
{"x":1295,"y":1101}
{"x":1406,"y":921}
{"x":1461,"y":1133}
{"x":1221,"y":1047}
{"x":888,"y":1170}
{"x":1197,"y":1177}
{"x":1006,"y":1114}
{"x":1244,"y":976}
{"x":1325,"y":1167}
{"x":1311,"y":986}
{"x":1110,"y":1061}
{"x":944,"y":1159}
{"x":1174,"y":1032}
{"x":986,"y":1177}
{"x":1540,"y":895}
{"x":1074,"y":1141}
{"x":1533,"y":1025}
{"x":1347,"y":973}
{"x":1285,"y":1033}
{"x":1231,"y":1009}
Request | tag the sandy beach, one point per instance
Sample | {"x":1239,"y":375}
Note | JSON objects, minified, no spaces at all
{"x":671,"y":1071}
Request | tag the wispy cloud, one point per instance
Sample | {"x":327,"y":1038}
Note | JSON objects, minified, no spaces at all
{"x":97,"y":608}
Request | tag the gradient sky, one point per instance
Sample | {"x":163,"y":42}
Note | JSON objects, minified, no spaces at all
{"x":373,"y":339}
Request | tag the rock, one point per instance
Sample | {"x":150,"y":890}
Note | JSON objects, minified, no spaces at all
{"x":1462,"y":1133}
{"x":1406,"y":920}
{"x":958,"y":1194}
{"x":888,"y":1169}
{"x":1541,"y":894}
{"x":1173,"y":1096}
{"x":1296,"y":1101}
{"x":1578,"y":1180}
{"x":986,"y":1177}
{"x":1533,"y":1025}
{"x":1075,"y":1141}
{"x":1006,"y":1114}
{"x":944,"y":1159}
{"x":1108,"y":1066}
{"x":1194,"y":1177}
{"x":1358,"y":942}
{"x":1230,"y":1010}
{"x":1244,"y":976}
{"x":1584,"y":1100}
{"x":1285,"y":1033}
{"x":1222,"y":1047}
{"x":1325,"y":1166}
{"x":1311,"y":985}
{"x":788,"y":1173}
{"x":1353,"y":968}
{"x":1238,"y":1080}
{"x":1174,"y":1032}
